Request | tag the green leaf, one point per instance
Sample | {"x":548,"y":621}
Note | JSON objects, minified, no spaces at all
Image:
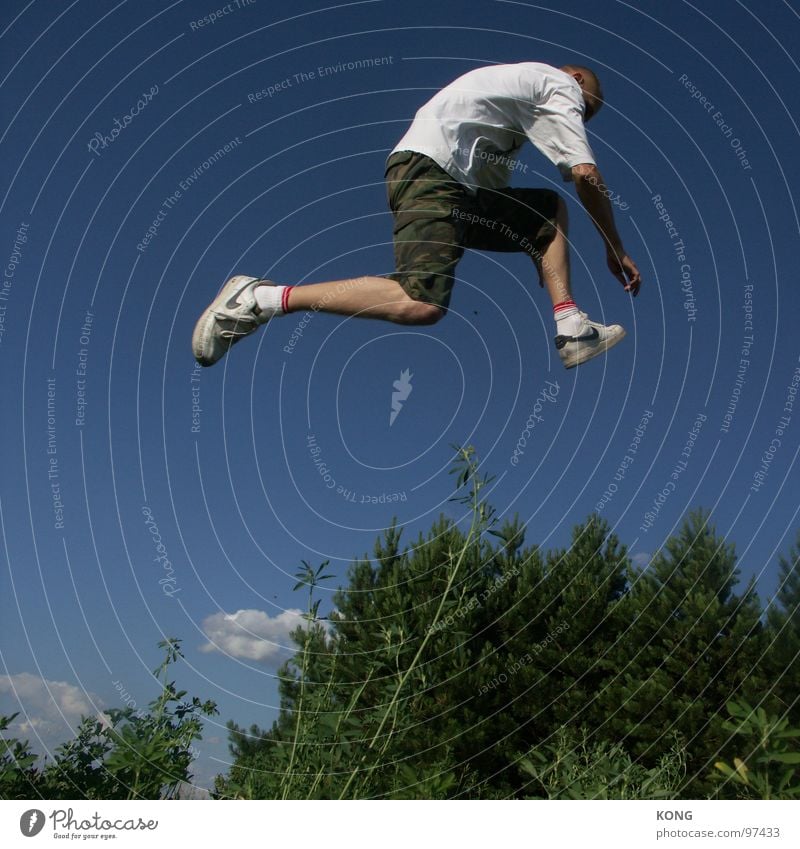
{"x":786,"y":757}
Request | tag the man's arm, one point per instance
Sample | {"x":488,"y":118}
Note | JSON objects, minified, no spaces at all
{"x":593,"y":195}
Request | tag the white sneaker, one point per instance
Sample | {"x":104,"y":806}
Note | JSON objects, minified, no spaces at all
{"x":231,"y":316}
{"x":591,"y":340}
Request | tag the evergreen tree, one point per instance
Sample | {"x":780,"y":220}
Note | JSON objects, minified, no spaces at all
{"x":783,"y":617}
{"x":551,"y":627}
{"x":692,"y":645}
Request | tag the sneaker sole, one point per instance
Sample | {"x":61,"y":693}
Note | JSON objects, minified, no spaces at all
{"x":586,"y":353}
{"x":204,"y":329}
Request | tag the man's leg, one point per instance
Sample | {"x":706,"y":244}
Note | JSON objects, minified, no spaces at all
{"x":245,"y":303}
{"x":578,"y":338}
{"x":554,"y":263}
{"x":365,"y":297}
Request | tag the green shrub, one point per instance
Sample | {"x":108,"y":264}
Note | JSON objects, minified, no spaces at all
{"x":128,"y":754}
{"x":769,"y":766}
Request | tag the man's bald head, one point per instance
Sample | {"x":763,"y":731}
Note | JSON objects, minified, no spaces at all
{"x":590,"y":86}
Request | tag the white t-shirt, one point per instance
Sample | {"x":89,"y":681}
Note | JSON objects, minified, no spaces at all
{"x":474,"y":127}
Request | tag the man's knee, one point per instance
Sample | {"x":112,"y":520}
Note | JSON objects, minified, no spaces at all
{"x":409,"y":308}
{"x":562,"y":215}
{"x":420,"y":312}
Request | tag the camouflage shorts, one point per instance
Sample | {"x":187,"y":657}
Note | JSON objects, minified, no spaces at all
{"x":436,"y":219}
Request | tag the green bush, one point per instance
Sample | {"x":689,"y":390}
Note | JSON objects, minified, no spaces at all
{"x":577,"y":768}
{"x":129,"y":754}
{"x":770,"y":764}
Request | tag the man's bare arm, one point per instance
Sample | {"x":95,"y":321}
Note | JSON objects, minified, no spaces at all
{"x":592,"y":192}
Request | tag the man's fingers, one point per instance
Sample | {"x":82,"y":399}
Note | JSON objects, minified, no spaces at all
{"x":634,"y":278}
{"x":632,"y":285}
{"x":625,"y":270}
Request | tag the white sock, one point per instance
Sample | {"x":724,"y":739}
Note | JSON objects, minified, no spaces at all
{"x":568,"y":318}
{"x":270,"y":299}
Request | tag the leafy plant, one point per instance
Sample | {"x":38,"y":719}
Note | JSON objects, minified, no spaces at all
{"x":126,"y":754}
{"x":770,"y":768}
{"x":151,"y":751}
{"x":18,"y":774}
{"x":571,"y":768}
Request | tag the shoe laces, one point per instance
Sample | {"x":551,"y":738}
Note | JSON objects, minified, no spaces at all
{"x":241,"y":327}
{"x":233,"y":334}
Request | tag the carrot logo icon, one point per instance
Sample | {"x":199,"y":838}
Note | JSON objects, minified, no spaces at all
{"x":403,"y":389}
{"x":31,"y":822}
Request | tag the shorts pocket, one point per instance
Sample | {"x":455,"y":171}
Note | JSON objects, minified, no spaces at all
{"x":419,"y":214}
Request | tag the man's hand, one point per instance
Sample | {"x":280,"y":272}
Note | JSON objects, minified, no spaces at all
{"x":625,"y":270}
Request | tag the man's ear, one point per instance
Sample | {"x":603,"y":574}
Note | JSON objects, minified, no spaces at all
{"x":578,"y":76}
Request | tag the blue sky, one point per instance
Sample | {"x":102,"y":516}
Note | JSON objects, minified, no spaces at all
{"x":150,"y":155}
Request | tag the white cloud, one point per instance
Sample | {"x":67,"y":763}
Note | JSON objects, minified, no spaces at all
{"x":49,"y":711}
{"x":641,"y":559}
{"x":252,"y":634}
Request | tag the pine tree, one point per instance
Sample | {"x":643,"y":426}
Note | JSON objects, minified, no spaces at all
{"x":783,"y":656}
{"x":692,"y":645}
{"x":549,"y":628}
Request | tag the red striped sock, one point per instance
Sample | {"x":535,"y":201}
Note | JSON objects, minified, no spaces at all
{"x":285,"y":298}
{"x":567,"y":316}
{"x":563,"y":309}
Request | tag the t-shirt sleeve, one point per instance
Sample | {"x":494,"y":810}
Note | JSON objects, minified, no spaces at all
{"x":558,"y":131}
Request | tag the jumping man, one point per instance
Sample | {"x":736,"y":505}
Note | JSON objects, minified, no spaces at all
{"x":447,"y":183}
